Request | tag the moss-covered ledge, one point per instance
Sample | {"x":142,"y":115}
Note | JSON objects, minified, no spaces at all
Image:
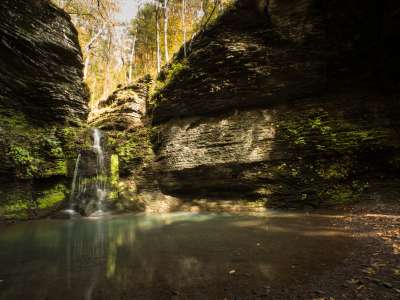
{"x":38,"y":163}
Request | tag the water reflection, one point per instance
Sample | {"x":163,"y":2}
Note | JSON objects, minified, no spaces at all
{"x":156,"y":257}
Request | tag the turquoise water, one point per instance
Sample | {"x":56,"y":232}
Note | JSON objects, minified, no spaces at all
{"x":181,"y":255}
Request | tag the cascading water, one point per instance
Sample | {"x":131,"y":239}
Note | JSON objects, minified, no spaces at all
{"x":101,"y":189}
{"x":73,"y":186}
{"x":71,"y":211}
{"x":97,"y":135}
{"x":89,"y":188}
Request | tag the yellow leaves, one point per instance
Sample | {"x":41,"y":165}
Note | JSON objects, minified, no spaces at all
{"x":378,"y":265}
{"x":369,"y":271}
{"x":354,"y":281}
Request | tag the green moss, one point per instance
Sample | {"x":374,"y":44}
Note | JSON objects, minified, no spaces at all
{"x":17,"y":209}
{"x":12,"y":119}
{"x":330,"y":155}
{"x":52,"y":197}
{"x":335,"y":170}
{"x":133,"y":149}
{"x":167,"y":77}
{"x":31,"y":151}
{"x":26,"y":201}
{"x":114,"y":172}
{"x":37,"y":152}
{"x":345,"y":193}
{"x":339,"y":195}
{"x":26,"y":165}
{"x":175,"y":70}
{"x":59,"y":168}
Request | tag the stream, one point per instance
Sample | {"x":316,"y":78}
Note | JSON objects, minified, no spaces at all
{"x":181,"y":255}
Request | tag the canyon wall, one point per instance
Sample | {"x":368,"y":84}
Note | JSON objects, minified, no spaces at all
{"x":303,"y":110}
{"x":43,"y":103}
{"x":123,"y":118}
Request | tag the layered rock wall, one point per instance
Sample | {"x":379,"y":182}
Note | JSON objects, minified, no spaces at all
{"x":124,"y":109}
{"x":41,"y":62}
{"x":303,"y":111}
{"x":43,"y":104}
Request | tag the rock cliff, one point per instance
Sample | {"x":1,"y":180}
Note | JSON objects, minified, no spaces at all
{"x":42,"y":105}
{"x":124,"y":109}
{"x":299,"y":111}
{"x":123,"y":118}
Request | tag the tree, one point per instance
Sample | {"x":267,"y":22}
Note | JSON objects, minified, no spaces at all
{"x":166,"y":52}
{"x":183,"y":13}
{"x":158,"y":37}
{"x":117,"y":53}
{"x":88,"y":49}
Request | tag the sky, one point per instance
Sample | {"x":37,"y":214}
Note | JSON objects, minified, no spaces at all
{"x":128,"y":9}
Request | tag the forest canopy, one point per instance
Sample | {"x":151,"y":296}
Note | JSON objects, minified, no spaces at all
{"x":116,"y":53}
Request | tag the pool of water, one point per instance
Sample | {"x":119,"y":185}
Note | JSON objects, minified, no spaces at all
{"x":170,"y":256}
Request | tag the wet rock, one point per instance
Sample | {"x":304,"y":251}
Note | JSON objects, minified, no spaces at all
{"x":66,"y":214}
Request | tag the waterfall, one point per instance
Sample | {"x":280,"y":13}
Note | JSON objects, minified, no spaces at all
{"x":97,"y":135}
{"x":73,"y":186}
{"x":89,"y":189}
{"x":101,"y":190}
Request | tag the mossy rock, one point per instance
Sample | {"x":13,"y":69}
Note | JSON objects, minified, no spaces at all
{"x":30,"y":200}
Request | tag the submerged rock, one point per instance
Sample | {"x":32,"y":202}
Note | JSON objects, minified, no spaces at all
{"x":66,"y":214}
{"x":303,"y":111}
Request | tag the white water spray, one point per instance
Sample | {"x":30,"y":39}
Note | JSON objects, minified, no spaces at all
{"x":101,"y":191}
{"x":73,"y":186}
{"x":71,"y":210}
{"x":97,"y":135}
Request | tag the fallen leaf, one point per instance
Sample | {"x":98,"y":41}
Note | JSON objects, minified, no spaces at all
{"x":387,"y":284}
{"x":377,"y":265}
{"x":360,"y":287}
{"x":369,"y":271}
{"x":354,"y":281}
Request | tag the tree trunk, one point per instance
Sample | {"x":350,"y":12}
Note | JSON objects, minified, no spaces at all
{"x":166,"y":31}
{"x":86,"y":67}
{"x":131,"y":60}
{"x":184,"y":26}
{"x":93,"y":94}
{"x":106,"y":89}
{"x":158,"y":42}
{"x":88,"y":50}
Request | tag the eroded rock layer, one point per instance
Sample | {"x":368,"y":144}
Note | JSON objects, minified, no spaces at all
{"x":124,"y":108}
{"x":41,"y":62}
{"x":42,"y":107}
{"x":301,"y":111}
